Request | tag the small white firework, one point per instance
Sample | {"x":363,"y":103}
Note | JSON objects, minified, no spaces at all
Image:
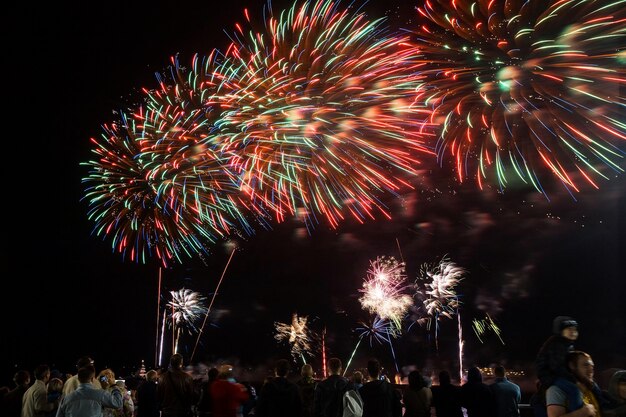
{"x":383,"y":290}
{"x":187,"y":307}
{"x":296,"y":334}
{"x":440,"y":283}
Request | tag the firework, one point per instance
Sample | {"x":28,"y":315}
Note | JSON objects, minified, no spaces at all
{"x":379,"y":330}
{"x":187,"y":308}
{"x":487,"y":324}
{"x":296,"y":334}
{"x":324,"y":120}
{"x":383,"y":290}
{"x":438,"y":288}
{"x":127,"y":207}
{"x":157,"y":188}
{"x":180,"y":127}
{"x":530,"y":90}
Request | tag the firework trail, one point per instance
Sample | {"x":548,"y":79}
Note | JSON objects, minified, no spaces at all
{"x":158,"y":314}
{"x":379,"y":330}
{"x":324,"y":373}
{"x":208,"y":310}
{"x":487,"y":324}
{"x":162,"y":337}
{"x":438,"y":288}
{"x":527,"y":91}
{"x":325,"y":118}
{"x":383,"y":290}
{"x":296,"y":334}
{"x":461,"y":343}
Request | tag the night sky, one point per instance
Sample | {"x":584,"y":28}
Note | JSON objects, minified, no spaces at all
{"x":70,"y":65}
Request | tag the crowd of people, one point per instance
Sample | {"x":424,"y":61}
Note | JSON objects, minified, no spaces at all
{"x":566,"y":388}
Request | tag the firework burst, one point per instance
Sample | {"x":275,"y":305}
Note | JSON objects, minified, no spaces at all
{"x":180,"y":128}
{"x":379,"y":330}
{"x":383,"y":290}
{"x":126,"y":205}
{"x":440,"y":283}
{"x":487,"y":324}
{"x":158,"y":188}
{"x":530,"y":90}
{"x":436,"y":285}
{"x":324,"y":119}
{"x":187,"y":308}
{"x":296,"y":334}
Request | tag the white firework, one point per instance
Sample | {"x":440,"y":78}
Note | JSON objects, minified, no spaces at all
{"x":187,"y":308}
{"x":440,"y":297}
{"x":296,"y":334}
{"x":440,"y":288}
{"x":383,"y":290}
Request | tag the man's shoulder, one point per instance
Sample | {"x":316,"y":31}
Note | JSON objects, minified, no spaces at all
{"x":555,"y":396}
{"x":333,"y":382}
{"x":83,"y":390}
{"x":503,"y":381}
{"x":377,"y":385}
{"x":279,"y":382}
{"x":504,"y":384}
{"x":181,"y":373}
{"x":512,"y":384}
{"x":176,"y":374}
{"x":39,"y":384}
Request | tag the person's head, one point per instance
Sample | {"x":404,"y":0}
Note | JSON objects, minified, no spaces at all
{"x":307,"y":371}
{"x":84,"y":361}
{"x":22,"y":378}
{"x":176,"y":361}
{"x":565,"y":326}
{"x":416,"y":380}
{"x":373,"y":368}
{"x":281,"y":367}
{"x":474,"y":375}
{"x":55,"y":384}
{"x":55,"y":373}
{"x":617,"y":386}
{"x":334,"y":366}
{"x":151,"y":375}
{"x":86,"y":374}
{"x":582,"y":366}
{"x":106,"y":377}
{"x":499,"y":371}
{"x":213,"y":373}
{"x":357,"y":377}
{"x":225,"y":371}
{"x":444,"y":378}
{"x":42,"y":373}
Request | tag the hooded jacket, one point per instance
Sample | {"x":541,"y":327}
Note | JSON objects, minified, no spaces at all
{"x":279,"y":398}
{"x":616,"y":406}
{"x":328,"y":396}
{"x":551,"y":361}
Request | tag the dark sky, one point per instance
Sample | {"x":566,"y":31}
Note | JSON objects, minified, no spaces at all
{"x":71,"y":64}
